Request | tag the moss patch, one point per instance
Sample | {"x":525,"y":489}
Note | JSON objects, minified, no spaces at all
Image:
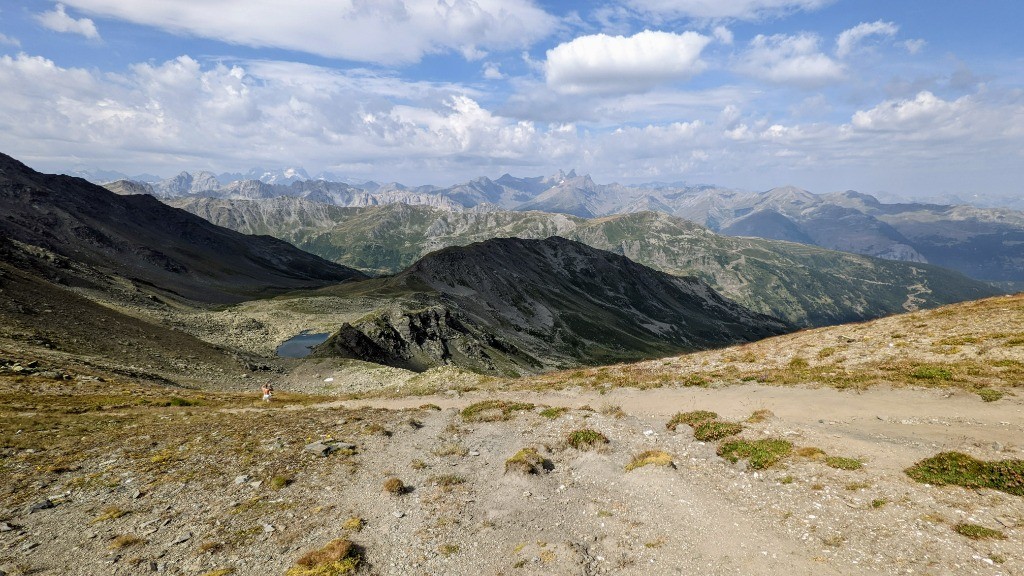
{"x":962,"y":470}
{"x":761,"y":454}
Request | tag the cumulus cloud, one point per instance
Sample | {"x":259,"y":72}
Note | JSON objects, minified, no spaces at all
{"x":848,"y":40}
{"x":379,"y":31}
{"x":714,"y":9}
{"x":795,"y":60}
{"x":59,"y":21}
{"x":617,"y":64}
{"x":184,"y":113}
{"x":925,"y":113}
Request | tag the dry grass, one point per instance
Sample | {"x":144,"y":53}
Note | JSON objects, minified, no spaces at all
{"x":337,"y":558}
{"x":650,"y":458}
{"x":394,"y":486}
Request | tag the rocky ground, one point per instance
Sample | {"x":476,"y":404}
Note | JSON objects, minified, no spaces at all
{"x":105,"y":472}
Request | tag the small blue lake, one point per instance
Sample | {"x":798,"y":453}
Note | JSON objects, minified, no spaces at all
{"x":300,"y":345}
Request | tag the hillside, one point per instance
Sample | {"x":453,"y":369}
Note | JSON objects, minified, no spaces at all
{"x":513,"y":306}
{"x":106,"y":472}
{"x":801,"y":284}
{"x":141,"y":239}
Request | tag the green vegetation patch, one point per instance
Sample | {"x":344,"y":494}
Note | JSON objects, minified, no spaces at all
{"x":975,"y":532}
{"x":844,"y":463}
{"x":932,"y":372}
{"x":337,"y":558}
{"x":527,"y":461}
{"x":493,"y":410}
{"x":761,"y":454}
{"x":690,"y":418}
{"x":553,"y":412}
{"x":586,"y":439}
{"x":960,"y":469}
{"x":712,"y":430}
{"x":650,"y":457}
{"x":990,"y":394}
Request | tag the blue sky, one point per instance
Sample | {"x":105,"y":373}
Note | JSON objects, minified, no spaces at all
{"x":914,"y":97}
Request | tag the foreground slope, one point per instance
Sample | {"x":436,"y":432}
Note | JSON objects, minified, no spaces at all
{"x":112,"y":476}
{"x":139,"y":238}
{"x":804,"y":285}
{"x":525,"y":305}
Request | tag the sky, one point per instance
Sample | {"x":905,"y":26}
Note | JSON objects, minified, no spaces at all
{"x":915,"y":97}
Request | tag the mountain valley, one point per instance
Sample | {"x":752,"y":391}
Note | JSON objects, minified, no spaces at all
{"x":501,"y":392}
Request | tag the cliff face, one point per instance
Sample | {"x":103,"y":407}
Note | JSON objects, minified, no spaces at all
{"x":418,"y":340}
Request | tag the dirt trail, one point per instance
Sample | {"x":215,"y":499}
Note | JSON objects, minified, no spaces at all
{"x":890,"y":427}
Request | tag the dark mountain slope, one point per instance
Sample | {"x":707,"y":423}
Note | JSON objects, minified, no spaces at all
{"x":802,"y":284}
{"x":142,"y":239}
{"x":513,"y":305}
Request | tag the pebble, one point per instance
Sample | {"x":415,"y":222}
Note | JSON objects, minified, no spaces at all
{"x":182,"y":539}
{"x":398,"y":514}
{"x":242,"y":479}
{"x":5,"y":527}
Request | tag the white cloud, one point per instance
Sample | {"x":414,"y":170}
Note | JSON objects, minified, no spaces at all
{"x":723,"y":35}
{"x":926,"y":113}
{"x":848,"y":40}
{"x":914,"y":46}
{"x":59,"y":21}
{"x":380,"y":31}
{"x":795,"y":60}
{"x":714,"y":9}
{"x":5,"y":39}
{"x":619,"y":64}
{"x":492,"y":71}
{"x":163,"y":117}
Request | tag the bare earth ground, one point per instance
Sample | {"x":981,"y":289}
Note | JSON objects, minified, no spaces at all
{"x":102,"y":474}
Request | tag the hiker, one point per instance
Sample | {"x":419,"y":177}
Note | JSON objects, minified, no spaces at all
{"x":268,"y":391}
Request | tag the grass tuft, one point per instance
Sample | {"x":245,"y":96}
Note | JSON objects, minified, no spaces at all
{"x":394,"y":486}
{"x":930,"y":372}
{"x":280,"y":481}
{"x":690,"y":418}
{"x":553,"y":412}
{"x":586,"y":439}
{"x":354,"y":524}
{"x":960,"y":469}
{"x":124,"y":541}
{"x":759,"y":416}
{"x":713,"y":430}
{"x":650,"y":457}
{"x":975,"y":532}
{"x":527,"y":461}
{"x":761,"y":454}
{"x":109,"y":513}
{"x":990,"y":394}
{"x":337,"y":558}
{"x":493,"y":410}
{"x":844,"y":463}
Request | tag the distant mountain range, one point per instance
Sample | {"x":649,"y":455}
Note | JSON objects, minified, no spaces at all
{"x":805,"y":285}
{"x":513,"y":306}
{"x":984,"y":243}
